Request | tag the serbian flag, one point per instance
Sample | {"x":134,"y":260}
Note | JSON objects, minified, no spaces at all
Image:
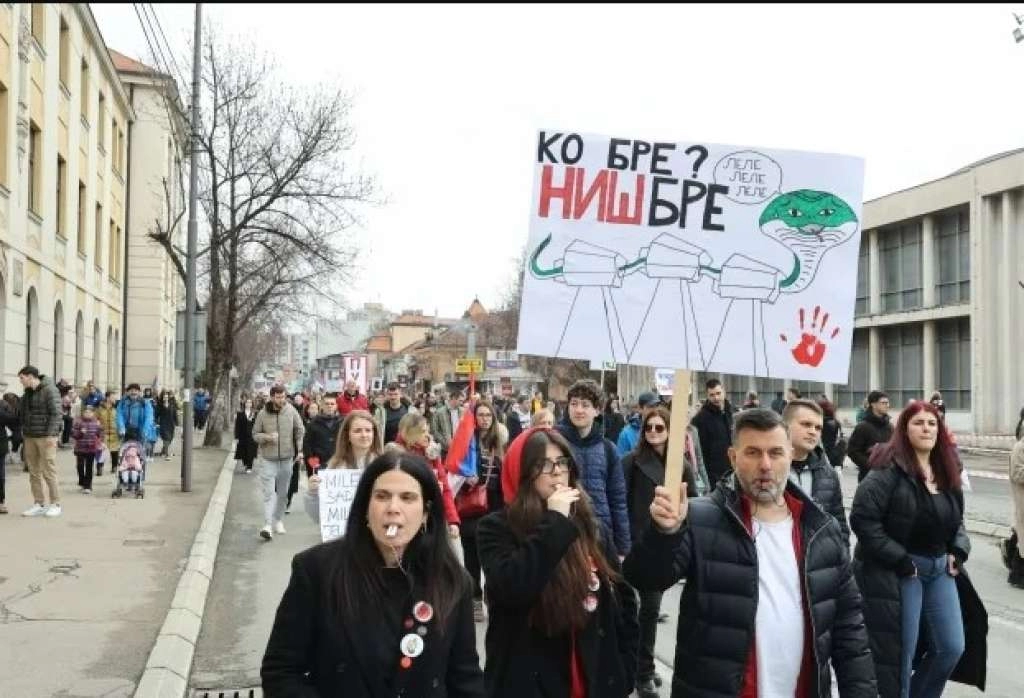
{"x":462,"y":456}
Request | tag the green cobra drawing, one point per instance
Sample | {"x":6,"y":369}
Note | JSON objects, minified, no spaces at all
{"x":809,"y":223}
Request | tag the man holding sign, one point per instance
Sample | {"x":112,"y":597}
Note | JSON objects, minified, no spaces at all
{"x":770,"y":599}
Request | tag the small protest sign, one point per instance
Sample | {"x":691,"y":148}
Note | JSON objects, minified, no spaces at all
{"x":337,"y":490}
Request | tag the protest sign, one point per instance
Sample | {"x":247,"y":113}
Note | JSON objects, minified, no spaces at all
{"x":337,"y":490}
{"x":689,"y":255}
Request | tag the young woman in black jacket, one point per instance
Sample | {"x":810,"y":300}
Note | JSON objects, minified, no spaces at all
{"x":245,"y":447}
{"x":908,"y":516}
{"x":644,"y":469}
{"x":385,"y":610}
{"x":562,"y":620}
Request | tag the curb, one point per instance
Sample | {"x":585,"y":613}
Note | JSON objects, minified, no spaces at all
{"x":170,"y":660}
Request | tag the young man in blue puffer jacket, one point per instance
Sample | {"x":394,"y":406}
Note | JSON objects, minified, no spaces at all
{"x":597,"y":459}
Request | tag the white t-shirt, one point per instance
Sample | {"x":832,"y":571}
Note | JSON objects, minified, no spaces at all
{"x":780,"y":616}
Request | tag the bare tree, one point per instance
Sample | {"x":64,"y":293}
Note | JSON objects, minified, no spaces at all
{"x":279,"y":203}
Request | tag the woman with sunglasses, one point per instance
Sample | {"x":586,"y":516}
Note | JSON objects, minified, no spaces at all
{"x":644,"y":469}
{"x":562,"y":620}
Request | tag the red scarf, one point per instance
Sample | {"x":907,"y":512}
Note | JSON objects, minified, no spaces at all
{"x":577,"y":684}
{"x":803,"y":682}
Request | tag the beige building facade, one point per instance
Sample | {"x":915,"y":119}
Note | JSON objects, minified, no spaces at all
{"x":157,"y":193}
{"x":64,"y":118}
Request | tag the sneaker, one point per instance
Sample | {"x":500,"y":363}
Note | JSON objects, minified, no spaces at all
{"x":279,"y":527}
{"x":36,"y":510}
{"x":86,"y":491}
{"x":248,"y":471}
{"x":53,"y":511}
{"x":167,"y":457}
{"x":288,"y":508}
{"x":266,"y":533}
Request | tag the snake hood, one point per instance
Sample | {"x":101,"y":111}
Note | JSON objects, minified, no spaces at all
{"x":809,"y":223}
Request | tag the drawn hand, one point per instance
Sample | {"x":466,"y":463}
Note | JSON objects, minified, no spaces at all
{"x":811,"y":349}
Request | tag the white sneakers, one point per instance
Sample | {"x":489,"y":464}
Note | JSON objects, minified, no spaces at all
{"x":268,"y":531}
{"x":51,"y":511}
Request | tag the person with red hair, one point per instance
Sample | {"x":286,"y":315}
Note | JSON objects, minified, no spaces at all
{"x":908,"y":516}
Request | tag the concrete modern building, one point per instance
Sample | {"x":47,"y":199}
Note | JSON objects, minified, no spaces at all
{"x":940,"y":300}
{"x":156,"y":197}
{"x":64,"y":118}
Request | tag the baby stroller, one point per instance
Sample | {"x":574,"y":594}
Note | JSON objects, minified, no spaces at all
{"x":131,"y":470}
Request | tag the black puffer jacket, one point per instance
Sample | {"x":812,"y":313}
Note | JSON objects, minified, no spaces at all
{"x":717,"y":556}
{"x":644,"y":471}
{"x":882,"y":517}
{"x":872,"y":430}
{"x":321,"y":436}
{"x":41,"y":413}
{"x":714,"y":425}
{"x":826,"y":488}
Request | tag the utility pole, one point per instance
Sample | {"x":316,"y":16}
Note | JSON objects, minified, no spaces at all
{"x":190,"y":269}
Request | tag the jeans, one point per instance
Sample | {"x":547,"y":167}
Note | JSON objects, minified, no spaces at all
{"x":40,"y":456}
{"x":930,"y":605}
{"x":274,"y":478}
{"x":650,"y":607}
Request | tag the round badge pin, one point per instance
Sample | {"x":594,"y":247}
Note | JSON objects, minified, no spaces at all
{"x":423,"y":612}
{"x":412,"y":645}
{"x":590,"y":603}
{"x":595,"y":582}
{"x":421,"y":631}
{"x":405,"y":663}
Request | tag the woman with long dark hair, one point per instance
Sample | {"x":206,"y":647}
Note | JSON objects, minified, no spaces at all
{"x":644,"y":469}
{"x":166,"y":421}
{"x":245,"y":447}
{"x":562,"y":620}
{"x":908,"y":515}
{"x":384,"y":610}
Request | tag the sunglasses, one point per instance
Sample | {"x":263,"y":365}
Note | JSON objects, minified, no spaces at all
{"x":659,"y":428}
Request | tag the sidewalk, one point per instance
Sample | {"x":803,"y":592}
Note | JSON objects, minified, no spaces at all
{"x":83,"y":596}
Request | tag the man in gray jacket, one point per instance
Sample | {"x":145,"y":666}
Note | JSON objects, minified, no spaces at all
{"x":278,"y":432}
{"x":41,"y":424}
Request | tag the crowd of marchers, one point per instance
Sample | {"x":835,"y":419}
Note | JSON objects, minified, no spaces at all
{"x":563,"y":541}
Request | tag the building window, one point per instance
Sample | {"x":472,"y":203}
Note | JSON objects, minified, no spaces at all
{"x":98,"y":238}
{"x":31,"y":328}
{"x":84,"y":89}
{"x":736,"y":387}
{"x":955,"y":362}
{"x":900,"y":253}
{"x":953,"y":257}
{"x":112,"y":241}
{"x":863,"y":306}
{"x":62,"y":192}
{"x":768,"y":388}
{"x":902,"y":373}
{"x":101,"y":120}
{"x":809,"y":390}
{"x":81,"y":217}
{"x":3,"y":133}
{"x":35,"y":145}
{"x":36,"y":22}
{"x":64,"y":59}
{"x":856,"y":389}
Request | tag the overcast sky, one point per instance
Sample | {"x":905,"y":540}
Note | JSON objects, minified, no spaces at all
{"x":448,"y":101}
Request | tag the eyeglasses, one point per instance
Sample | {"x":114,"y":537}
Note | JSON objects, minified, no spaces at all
{"x":654,"y":427}
{"x":548,"y":466}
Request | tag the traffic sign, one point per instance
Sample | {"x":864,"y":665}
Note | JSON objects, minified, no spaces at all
{"x":468,"y":365}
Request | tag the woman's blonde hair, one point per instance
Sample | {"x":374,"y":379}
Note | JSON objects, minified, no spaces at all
{"x":541,"y":414}
{"x":344,"y":456}
{"x":412,"y":428}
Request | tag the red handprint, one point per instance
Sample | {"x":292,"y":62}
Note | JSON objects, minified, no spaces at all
{"x":811,"y":350}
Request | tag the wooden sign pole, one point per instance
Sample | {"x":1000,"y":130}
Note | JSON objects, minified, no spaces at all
{"x":677,"y":434}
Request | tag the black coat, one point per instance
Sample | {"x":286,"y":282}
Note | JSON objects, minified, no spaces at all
{"x":716,"y":554}
{"x":882,"y":516}
{"x":311,"y":655}
{"x":644,"y":471}
{"x":521,"y":661}
{"x":714,"y":426}
{"x":246,"y":448}
{"x":167,"y":419}
{"x":9,"y":420}
{"x":614,"y":423}
{"x":870,"y":431}
{"x":321,"y":436}
{"x":826,"y":488}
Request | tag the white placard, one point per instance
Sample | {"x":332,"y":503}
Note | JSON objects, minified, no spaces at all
{"x":664,"y":380}
{"x":355,"y":368}
{"x":695,"y":256}
{"x":337,"y":490}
